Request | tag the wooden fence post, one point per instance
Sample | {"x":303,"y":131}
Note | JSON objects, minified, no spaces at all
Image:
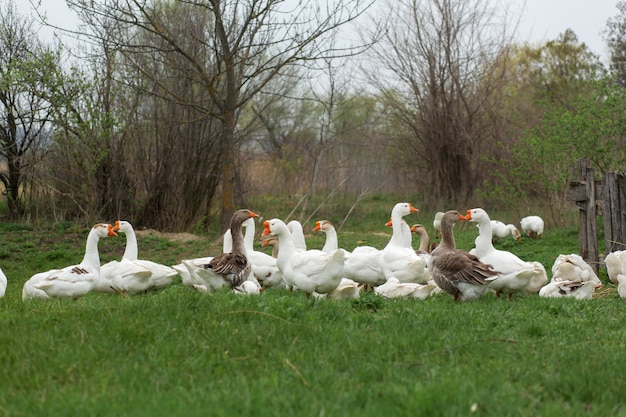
{"x":614,"y":199}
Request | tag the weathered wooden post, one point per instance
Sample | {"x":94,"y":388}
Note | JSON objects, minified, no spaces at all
{"x":614,"y":199}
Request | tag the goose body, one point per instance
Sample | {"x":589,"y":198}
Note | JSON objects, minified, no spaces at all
{"x":393,"y":288}
{"x":3,"y":283}
{"x":615,"y":264}
{"x":621,"y":285}
{"x":397,"y":259}
{"x":73,"y":281}
{"x":456,"y":272}
{"x":581,"y":290}
{"x":309,"y":271}
{"x":346,"y":290}
{"x":532,"y":226}
{"x":234,"y":267}
{"x":572,"y":267}
{"x":437,"y":224}
{"x":500,"y":230}
{"x":263,"y":266}
{"x":362,"y":265}
{"x":516,"y":274}
{"x":133,"y":275}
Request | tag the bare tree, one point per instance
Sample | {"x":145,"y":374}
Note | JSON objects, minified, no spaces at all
{"x":437,"y":68}
{"x":251,"y":42}
{"x":24,"y":109}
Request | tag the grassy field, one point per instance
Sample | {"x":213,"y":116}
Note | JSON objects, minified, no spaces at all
{"x":178,"y":352}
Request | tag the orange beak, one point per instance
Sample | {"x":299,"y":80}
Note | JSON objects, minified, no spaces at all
{"x":413,"y":209}
{"x":253,"y":214}
{"x":468,"y":215}
{"x":317,"y":227}
{"x":111,"y":231}
{"x":389,"y":223}
{"x":266,"y":228}
{"x":117,"y":225}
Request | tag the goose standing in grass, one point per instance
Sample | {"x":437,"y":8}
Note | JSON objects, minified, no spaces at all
{"x":362,"y":265}
{"x":3,"y":283}
{"x":516,"y":274}
{"x":532,"y":226}
{"x":73,"y":281}
{"x":437,"y":224}
{"x":397,"y":260}
{"x":458,"y":273}
{"x":499,"y":230}
{"x":234,"y":267}
{"x":309,"y":271}
{"x":160,"y":275}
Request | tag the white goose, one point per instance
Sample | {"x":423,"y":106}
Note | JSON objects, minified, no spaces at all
{"x":499,"y":230}
{"x":397,"y":260}
{"x":297,"y":233}
{"x":615,"y":264}
{"x":581,"y":290}
{"x":346,"y":290}
{"x":621,"y":285}
{"x":532,"y":226}
{"x":396,"y":289}
{"x":437,"y":224}
{"x":264,"y":266}
{"x":309,"y":271}
{"x":160,"y":275}
{"x":73,"y":281}
{"x":572,"y":267}
{"x":362,"y":265}
{"x":3,"y":283}
{"x":517,"y":274}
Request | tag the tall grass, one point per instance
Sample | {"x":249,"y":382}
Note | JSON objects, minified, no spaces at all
{"x":178,"y":352}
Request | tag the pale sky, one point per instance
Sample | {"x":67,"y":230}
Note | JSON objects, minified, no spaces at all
{"x":542,"y":20}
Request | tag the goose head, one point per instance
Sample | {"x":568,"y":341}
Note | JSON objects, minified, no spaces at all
{"x":402,"y":209}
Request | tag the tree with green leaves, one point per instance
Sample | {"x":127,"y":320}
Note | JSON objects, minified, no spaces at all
{"x":615,"y":36}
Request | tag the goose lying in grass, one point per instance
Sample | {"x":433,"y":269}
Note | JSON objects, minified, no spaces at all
{"x":572,"y":267}
{"x":73,"y":281}
{"x":581,"y":290}
{"x":309,"y":271}
{"x":362,"y":265}
{"x":396,"y":289}
{"x":133,"y":275}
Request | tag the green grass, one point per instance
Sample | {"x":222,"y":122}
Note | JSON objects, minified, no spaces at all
{"x":178,"y":352}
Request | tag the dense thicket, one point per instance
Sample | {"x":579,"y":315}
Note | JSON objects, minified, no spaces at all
{"x":178,"y":111}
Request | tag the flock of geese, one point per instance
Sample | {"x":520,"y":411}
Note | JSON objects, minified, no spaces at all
{"x":395,"y":271}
